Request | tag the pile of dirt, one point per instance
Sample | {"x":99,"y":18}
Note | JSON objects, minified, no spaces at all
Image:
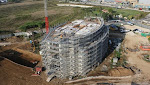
{"x":26,"y":46}
{"x":28,"y":55}
{"x":17,"y":58}
{"x":12,"y":74}
{"x":119,"y":72}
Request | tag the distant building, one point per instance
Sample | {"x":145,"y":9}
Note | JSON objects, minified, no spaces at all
{"x":108,"y":0}
{"x":84,"y":0}
{"x":133,"y":2}
{"x":144,"y":2}
{"x":120,"y":1}
{"x":3,"y":1}
{"x":97,"y":1}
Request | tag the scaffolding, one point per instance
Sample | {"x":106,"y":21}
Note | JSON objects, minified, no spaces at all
{"x":75,"y":48}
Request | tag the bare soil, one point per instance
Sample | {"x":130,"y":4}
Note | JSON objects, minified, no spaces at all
{"x":12,"y":74}
{"x":14,"y":39}
{"x":135,"y":58}
{"x":120,"y":71}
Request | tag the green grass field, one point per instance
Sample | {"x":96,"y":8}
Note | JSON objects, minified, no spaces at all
{"x":13,"y":16}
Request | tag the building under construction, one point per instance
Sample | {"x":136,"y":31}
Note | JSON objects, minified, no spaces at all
{"x":75,"y":48}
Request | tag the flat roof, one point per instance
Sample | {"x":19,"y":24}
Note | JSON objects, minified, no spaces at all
{"x":77,"y":28}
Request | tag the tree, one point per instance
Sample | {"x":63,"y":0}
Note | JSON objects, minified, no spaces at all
{"x":110,"y":10}
{"x":149,"y":38}
{"x":130,"y":17}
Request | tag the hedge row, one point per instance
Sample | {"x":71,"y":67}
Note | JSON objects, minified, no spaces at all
{"x":34,"y":24}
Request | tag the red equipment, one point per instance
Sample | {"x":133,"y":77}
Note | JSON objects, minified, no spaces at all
{"x":37,"y":70}
{"x":145,"y":48}
{"x":140,"y":8}
{"x":47,"y":25}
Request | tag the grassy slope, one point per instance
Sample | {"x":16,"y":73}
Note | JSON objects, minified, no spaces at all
{"x":12,"y":16}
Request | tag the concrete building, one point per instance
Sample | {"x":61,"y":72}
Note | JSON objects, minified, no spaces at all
{"x":84,"y":0}
{"x":144,"y":2}
{"x":120,"y":1}
{"x":3,"y":1}
{"x":95,"y":1}
{"x":75,"y":48}
{"x":108,"y":0}
{"x":133,"y":2}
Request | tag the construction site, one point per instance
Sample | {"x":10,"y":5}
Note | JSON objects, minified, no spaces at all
{"x":75,"y":48}
{"x":19,"y":63}
{"x":89,"y":51}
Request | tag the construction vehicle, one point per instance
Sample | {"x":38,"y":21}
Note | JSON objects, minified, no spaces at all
{"x":37,"y":70}
{"x":140,"y":8}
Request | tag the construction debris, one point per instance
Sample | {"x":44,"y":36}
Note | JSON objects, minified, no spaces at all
{"x":37,"y":70}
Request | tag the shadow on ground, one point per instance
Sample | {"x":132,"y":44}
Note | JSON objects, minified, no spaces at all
{"x":16,"y":57}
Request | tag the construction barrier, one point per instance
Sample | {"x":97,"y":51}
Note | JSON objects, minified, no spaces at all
{"x":145,"y":48}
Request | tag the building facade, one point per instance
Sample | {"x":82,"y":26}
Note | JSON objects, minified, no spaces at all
{"x":76,"y":48}
{"x":144,"y":2}
{"x":3,"y":1}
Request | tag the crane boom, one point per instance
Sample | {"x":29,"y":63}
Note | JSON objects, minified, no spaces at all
{"x":46,"y":17}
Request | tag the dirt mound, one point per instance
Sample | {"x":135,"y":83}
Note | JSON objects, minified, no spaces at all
{"x":12,"y":74}
{"x":26,"y":46}
{"x":17,"y":58}
{"x":23,"y":57}
{"x":118,"y":72}
{"x":28,"y":55}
